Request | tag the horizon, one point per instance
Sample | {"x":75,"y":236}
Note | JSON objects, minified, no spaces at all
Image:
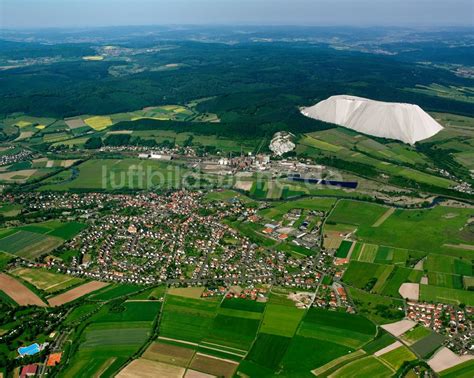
{"x":71,"y":14}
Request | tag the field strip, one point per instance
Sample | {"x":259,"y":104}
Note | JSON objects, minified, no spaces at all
{"x":338,"y":361}
{"x":386,"y":364}
{"x":142,"y":300}
{"x":384,"y":217}
{"x":104,"y":367}
{"x":178,"y":341}
{"x":389,"y":348}
{"x":218,"y":358}
{"x":222,"y":351}
{"x":349,"y":254}
{"x":460,"y":246}
{"x":18,"y":292}
{"x":59,"y":283}
{"x":77,"y":292}
{"x":227,"y":347}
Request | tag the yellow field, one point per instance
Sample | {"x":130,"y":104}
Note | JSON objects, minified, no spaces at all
{"x":23,"y":123}
{"x":93,"y":57}
{"x":99,"y":123}
{"x":40,"y":127}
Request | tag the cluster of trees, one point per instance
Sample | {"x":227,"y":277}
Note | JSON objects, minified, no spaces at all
{"x":116,"y":140}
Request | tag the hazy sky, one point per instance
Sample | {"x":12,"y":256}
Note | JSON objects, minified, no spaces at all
{"x":54,"y":13}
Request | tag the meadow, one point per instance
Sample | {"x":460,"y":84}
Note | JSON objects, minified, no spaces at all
{"x":278,"y":210}
{"x":110,"y":174}
{"x":356,"y":213}
{"x":431,"y":293}
{"x":367,"y":276}
{"x":379,"y":309}
{"x":422,"y":230}
{"x":46,"y":280}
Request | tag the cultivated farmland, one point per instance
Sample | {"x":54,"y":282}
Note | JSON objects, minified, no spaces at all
{"x":337,"y":327}
{"x":28,"y":244}
{"x":46,"y":280}
{"x":18,"y":292}
{"x":187,"y":319}
{"x":75,"y":293}
{"x":365,"y":367}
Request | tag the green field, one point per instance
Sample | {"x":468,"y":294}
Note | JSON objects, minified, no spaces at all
{"x":380,"y":309}
{"x":243,"y":305}
{"x":187,"y":319}
{"x":421,"y":230}
{"x":268,"y":350}
{"x":106,"y":346}
{"x":281,"y":320}
{"x":367,"y":276}
{"x":464,"y":370}
{"x":395,"y":358}
{"x":298,"y":361}
{"x":382,"y":340}
{"x":431,"y":293}
{"x":398,"y":276}
{"x":344,"y":249}
{"x":5,"y":258}
{"x":115,"y":291}
{"x":364,"y":367}
{"x":81,"y":312}
{"x":68,"y":231}
{"x":451,"y":281}
{"x":277,"y":211}
{"x":28,"y":244}
{"x":337,"y":327}
{"x":113,"y":335}
{"x":428,"y":344}
{"x":357,"y":213}
{"x":367,"y":253}
{"x":114,"y":174}
{"x":46,"y":280}
{"x":448,"y":264}
{"x":133,"y":311}
{"x":390,"y":255}
{"x":233,"y":331}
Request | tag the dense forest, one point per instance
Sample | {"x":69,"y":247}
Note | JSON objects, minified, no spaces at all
{"x":253,"y":84}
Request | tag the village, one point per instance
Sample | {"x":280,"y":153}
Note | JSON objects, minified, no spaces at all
{"x":177,"y":238}
{"x":181,"y":238}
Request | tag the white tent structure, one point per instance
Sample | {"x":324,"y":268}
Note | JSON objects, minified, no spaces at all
{"x":405,"y":122}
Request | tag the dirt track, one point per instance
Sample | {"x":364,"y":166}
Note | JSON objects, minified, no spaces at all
{"x":18,"y":292}
{"x":75,"y":293}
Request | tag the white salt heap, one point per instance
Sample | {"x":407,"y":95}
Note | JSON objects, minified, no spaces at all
{"x":405,"y":122}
